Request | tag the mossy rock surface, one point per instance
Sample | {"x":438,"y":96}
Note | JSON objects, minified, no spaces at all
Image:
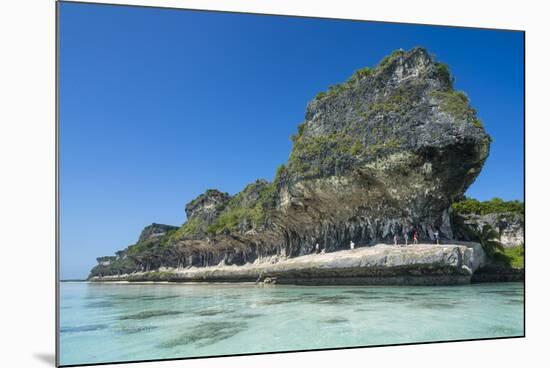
{"x":384,"y":153}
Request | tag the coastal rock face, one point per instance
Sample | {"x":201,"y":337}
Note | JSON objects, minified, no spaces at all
{"x":382,"y":154}
{"x":154,"y":231}
{"x":510,"y":226}
{"x":385,"y":154}
{"x":207,"y":206}
{"x":423,"y":264}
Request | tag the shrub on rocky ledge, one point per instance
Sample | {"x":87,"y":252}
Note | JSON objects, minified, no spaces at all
{"x":495,"y":205}
{"x":511,"y":257}
{"x":358,"y":75}
{"x":443,"y":71}
{"x":323,"y":155}
{"x":248,"y":209}
{"x":457,"y":104}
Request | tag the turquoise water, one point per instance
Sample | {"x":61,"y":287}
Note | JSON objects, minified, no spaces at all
{"x":120,"y":322}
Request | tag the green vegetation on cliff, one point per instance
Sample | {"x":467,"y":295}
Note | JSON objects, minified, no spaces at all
{"x":511,"y":257}
{"x":495,"y":205}
{"x":401,"y":100}
{"x":145,"y":254}
{"x":249,"y":208}
{"x":444,"y":72}
{"x":334,"y":153}
{"x":358,"y":75}
{"x":191,"y":228}
{"x":208,"y":192}
{"x":319,"y":155}
{"x":361,"y":73}
{"x":457,"y":104}
{"x":230,"y":220}
{"x":502,"y":216}
{"x":386,"y":60}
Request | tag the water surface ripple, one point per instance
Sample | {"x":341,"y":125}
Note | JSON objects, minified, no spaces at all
{"x":121,"y":322}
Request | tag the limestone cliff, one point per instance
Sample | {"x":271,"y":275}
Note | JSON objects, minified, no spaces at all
{"x":507,"y":218}
{"x":384,"y":153}
{"x":510,"y":226}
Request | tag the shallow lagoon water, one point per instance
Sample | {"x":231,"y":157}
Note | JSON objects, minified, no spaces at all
{"x":103,"y":322}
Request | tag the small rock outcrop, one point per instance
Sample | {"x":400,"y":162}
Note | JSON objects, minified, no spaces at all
{"x":385,"y":153}
{"x":207,"y":206}
{"x":155,"y":231}
{"x":510,"y":226}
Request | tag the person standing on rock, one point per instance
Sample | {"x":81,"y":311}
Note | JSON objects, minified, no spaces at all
{"x":395,"y":239}
{"x":415,"y":237}
{"x":351,"y":245}
{"x":436,"y":235}
{"x":317,"y":248}
{"x":406,"y":238}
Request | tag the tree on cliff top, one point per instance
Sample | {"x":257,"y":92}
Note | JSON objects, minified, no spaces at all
{"x":495,"y":205}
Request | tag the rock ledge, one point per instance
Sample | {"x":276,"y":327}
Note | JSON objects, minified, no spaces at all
{"x":382,"y":264}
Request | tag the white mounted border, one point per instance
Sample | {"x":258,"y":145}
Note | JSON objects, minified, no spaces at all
{"x":27,"y":189}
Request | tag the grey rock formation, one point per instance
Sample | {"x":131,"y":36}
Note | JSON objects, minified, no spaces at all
{"x":416,"y":146}
{"x":106,"y":260}
{"x":382,"y":154}
{"x":423,"y":264}
{"x":510,"y":226}
{"x":207,"y":206}
{"x":154,"y":231}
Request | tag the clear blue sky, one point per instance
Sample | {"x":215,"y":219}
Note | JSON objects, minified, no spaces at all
{"x":158,"y":105}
